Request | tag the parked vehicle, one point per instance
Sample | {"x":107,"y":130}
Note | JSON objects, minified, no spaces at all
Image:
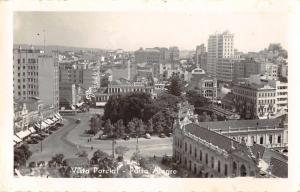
{"x":147,"y":136}
{"x":162,"y":135}
{"x":126,"y":137}
{"x":78,"y":121}
{"x":103,"y":137}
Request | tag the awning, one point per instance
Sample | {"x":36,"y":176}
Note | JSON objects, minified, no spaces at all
{"x":49,"y":121}
{"x":44,"y":125}
{"x":17,"y":139}
{"x":23,"y":134}
{"x":57,"y":115}
{"x":54,"y":119}
{"x":100,"y":104}
{"x":31,"y":129}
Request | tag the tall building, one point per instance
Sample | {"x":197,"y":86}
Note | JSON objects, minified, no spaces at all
{"x":201,"y":56}
{"x":220,"y":45}
{"x":174,"y":54}
{"x":244,"y":68}
{"x":35,"y":75}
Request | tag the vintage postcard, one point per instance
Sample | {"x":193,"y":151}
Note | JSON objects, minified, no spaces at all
{"x":192,"y":96}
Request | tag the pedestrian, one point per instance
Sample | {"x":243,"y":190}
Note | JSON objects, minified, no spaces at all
{"x":92,"y":148}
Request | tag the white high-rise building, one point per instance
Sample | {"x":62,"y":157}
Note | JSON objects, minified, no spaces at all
{"x":35,"y":76}
{"x":220,"y":46}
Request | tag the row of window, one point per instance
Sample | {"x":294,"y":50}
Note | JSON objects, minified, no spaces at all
{"x":33,"y":93}
{"x":29,"y":74}
{"x":30,"y":60}
{"x":266,"y":101}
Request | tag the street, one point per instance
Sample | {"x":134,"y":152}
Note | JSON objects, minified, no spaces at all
{"x":71,"y":138}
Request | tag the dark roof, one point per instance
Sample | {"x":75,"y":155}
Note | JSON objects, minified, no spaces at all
{"x":279,"y":168}
{"x":212,"y":137}
{"x":224,"y":125}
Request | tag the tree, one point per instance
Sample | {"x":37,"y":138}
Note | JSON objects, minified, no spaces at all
{"x":175,"y":87}
{"x":108,"y":128}
{"x":121,"y":150}
{"x":21,"y":155}
{"x":196,"y":99}
{"x":149,"y":127}
{"x":58,"y":158}
{"x":131,"y":126}
{"x":120,"y":128}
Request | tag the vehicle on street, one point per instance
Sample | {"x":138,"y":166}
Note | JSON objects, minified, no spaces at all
{"x":162,"y":135}
{"x":147,"y":136}
{"x":103,"y":137}
{"x":126,"y":137}
{"x":78,"y":121}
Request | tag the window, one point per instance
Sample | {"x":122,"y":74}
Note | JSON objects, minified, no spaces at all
{"x":226,"y":170}
{"x":206,"y":158}
{"x":212,"y":162}
{"x":261,"y":141}
{"x":219,"y":166}
{"x":200,"y":155}
{"x":185,"y":147}
{"x":279,"y":139}
{"x":19,"y":60}
{"x":195,"y":153}
{"x":234,"y":168}
{"x":270,"y":139}
{"x":190,"y":149}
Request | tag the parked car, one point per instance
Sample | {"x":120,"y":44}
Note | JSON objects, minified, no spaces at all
{"x":169,"y":134}
{"x":32,"y":141}
{"x":147,"y":136}
{"x":162,"y":135}
{"x":78,"y":121}
{"x":126,"y":137}
{"x":103,"y":137}
{"x":59,"y":124}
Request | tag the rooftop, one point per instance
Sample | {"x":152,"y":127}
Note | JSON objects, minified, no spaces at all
{"x":224,"y":125}
{"x":212,"y":137}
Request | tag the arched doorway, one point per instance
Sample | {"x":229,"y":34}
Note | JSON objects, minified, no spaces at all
{"x":234,"y":169}
{"x":243,"y":171}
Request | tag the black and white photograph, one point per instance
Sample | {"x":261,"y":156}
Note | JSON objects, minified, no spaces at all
{"x":137,"y":95}
{"x":149,"y":96}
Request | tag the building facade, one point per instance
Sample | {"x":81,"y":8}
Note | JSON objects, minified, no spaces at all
{"x":220,"y":45}
{"x":35,"y":75}
{"x":205,"y":153}
{"x":255,"y":100}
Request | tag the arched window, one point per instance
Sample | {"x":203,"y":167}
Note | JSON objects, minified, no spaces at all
{"x":195,"y":152}
{"x":234,"y":168}
{"x":261,"y":141}
{"x":206,"y":158}
{"x":226,"y":170}
{"x":212,"y":162}
{"x":190,"y":149}
{"x":279,"y":139}
{"x":270,"y":139}
{"x":200,"y":155}
{"x":219,"y":166}
{"x":185,"y":147}
{"x":243,"y":171}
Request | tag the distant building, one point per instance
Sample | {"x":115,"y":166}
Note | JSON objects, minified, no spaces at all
{"x":255,"y":100}
{"x":201,"y":56}
{"x":225,"y":69}
{"x":244,"y":68}
{"x":35,"y":76}
{"x":220,"y":45}
{"x":270,"y":71}
{"x":174,"y":54}
{"x":206,"y":85}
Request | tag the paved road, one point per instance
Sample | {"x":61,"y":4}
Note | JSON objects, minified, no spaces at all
{"x":70,"y":138}
{"x":55,"y":143}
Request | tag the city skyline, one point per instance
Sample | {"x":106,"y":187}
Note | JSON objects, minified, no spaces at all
{"x":114,"y":30}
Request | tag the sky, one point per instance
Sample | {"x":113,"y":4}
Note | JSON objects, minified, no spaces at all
{"x":132,"y":30}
